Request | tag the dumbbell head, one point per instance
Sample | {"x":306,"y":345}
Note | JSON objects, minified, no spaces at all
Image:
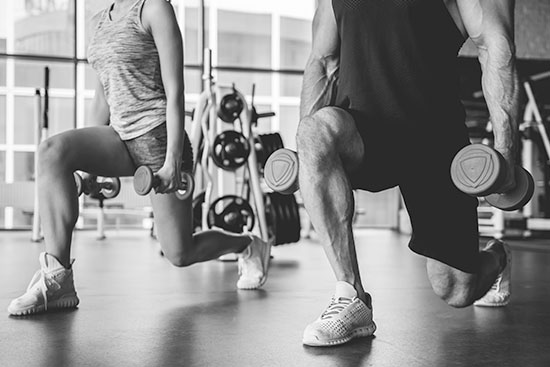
{"x":78,"y":182}
{"x":478,"y":170}
{"x":144,"y":180}
{"x":281,"y":171}
{"x":110,"y":187}
{"x":518,"y":196}
{"x":187,"y":186}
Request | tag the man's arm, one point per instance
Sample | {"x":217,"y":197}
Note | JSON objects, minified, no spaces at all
{"x":490,"y":24}
{"x":321,"y":72}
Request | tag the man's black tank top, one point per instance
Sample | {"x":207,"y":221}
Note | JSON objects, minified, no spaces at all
{"x":398,"y":65}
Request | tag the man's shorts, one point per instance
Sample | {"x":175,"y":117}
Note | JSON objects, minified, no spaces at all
{"x":149,"y":149}
{"x":444,"y":220}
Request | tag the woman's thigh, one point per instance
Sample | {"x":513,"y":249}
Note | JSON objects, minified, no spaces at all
{"x":97,"y":150}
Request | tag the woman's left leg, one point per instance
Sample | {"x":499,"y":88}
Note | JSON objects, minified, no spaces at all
{"x":174,"y":221}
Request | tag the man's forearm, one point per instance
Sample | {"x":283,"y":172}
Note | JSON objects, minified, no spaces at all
{"x":501,"y":89}
{"x":318,"y":87}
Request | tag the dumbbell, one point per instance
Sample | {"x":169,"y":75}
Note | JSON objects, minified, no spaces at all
{"x":479,"y":170}
{"x":145,"y":180}
{"x":281,"y":171}
{"x":93,"y":186}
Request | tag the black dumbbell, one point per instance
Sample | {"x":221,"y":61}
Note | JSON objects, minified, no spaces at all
{"x":93,"y":186}
{"x":145,"y":180}
{"x":479,"y":170}
{"x":281,"y":171}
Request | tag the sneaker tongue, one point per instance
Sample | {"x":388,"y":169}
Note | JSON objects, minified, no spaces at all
{"x":49,"y":263}
{"x":344,"y":290}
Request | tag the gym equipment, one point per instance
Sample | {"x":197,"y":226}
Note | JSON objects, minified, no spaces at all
{"x":145,"y":180}
{"x":97,"y":187}
{"x":230,"y":150}
{"x":230,"y":107}
{"x":283,"y":218}
{"x":479,"y":170}
{"x":197,"y":211}
{"x":267,"y":144}
{"x":232,"y":213}
{"x":281,"y":171}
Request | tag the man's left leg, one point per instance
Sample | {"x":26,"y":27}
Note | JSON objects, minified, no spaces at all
{"x":490,"y":285}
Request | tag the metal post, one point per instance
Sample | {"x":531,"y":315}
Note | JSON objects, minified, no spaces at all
{"x":36,"y":237}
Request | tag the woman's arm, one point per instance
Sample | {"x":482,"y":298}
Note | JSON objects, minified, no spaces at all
{"x":158,"y":17}
{"x":99,"y":111}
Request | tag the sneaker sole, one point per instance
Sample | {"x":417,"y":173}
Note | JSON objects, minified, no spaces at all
{"x":265,"y":264}
{"x":66,"y":302}
{"x":357,"y":333}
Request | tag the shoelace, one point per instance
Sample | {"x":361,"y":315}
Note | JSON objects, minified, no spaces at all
{"x":496,"y":284}
{"x":336,"y":306}
{"x":39,"y":280}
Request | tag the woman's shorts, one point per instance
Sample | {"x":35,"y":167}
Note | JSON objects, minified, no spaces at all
{"x":149,"y":149}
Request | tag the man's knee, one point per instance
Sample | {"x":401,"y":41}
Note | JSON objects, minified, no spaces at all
{"x":453,"y":286}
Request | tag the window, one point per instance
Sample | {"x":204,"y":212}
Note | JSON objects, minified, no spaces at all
{"x":2,"y":119}
{"x":31,"y":74}
{"x":43,"y":27}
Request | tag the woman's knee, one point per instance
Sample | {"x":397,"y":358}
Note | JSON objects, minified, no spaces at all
{"x":54,"y":151}
{"x":177,"y":258}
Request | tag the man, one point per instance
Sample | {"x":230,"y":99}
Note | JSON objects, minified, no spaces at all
{"x":380,"y":108}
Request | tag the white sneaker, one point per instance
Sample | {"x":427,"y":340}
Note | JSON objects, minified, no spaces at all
{"x":254,"y":264}
{"x":499,"y":294}
{"x":51,"y":287}
{"x":344,"y":319}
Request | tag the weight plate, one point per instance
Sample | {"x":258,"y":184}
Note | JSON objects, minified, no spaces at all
{"x":478,"y":170}
{"x":518,"y":196}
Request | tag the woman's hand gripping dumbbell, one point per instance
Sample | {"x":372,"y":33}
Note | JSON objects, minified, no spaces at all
{"x":145,"y":180}
{"x":93,"y":186}
{"x":479,"y":170}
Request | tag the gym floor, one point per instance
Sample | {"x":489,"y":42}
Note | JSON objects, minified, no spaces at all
{"x":138,"y":310}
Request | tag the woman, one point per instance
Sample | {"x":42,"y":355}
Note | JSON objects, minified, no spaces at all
{"x":138,"y":118}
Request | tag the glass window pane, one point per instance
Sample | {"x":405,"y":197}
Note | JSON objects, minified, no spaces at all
{"x":31,"y":74}
{"x":25,"y":116}
{"x":2,"y":72}
{"x":191,"y":36}
{"x":288,"y":122}
{"x":193,"y":80}
{"x":23,"y":166}
{"x":244,"y":80}
{"x":2,"y":119}
{"x":244,"y":39}
{"x":291,"y":85}
{"x":295,"y":42}
{"x":61,"y":112}
{"x":3,"y":26}
{"x":44,"y":27}
{"x":2,"y":166}
{"x":61,"y":115}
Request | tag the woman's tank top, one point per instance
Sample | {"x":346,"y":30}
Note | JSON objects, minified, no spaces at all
{"x":127,"y":62}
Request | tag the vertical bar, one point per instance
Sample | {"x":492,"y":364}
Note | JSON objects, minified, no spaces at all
{"x":201,"y":36}
{"x":37,"y":139}
{"x":75,"y":62}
